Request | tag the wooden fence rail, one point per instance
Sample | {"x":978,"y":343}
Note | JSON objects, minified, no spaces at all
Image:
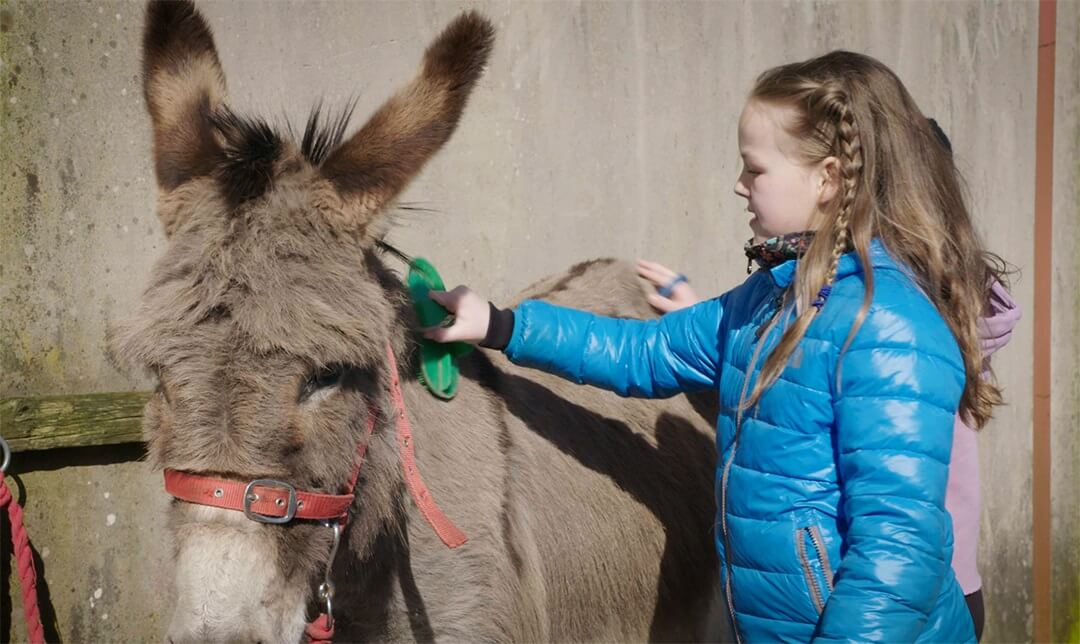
{"x":47,"y":422}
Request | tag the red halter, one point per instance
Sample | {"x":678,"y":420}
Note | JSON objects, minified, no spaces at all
{"x":272,"y":501}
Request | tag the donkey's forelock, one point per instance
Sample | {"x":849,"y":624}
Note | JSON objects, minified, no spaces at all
{"x":322,"y":138}
{"x":251,"y":150}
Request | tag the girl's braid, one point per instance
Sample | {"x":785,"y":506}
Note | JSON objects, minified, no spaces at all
{"x":834,"y":107}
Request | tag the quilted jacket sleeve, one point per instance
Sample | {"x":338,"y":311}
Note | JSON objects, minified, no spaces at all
{"x":645,"y":359}
{"x":900,"y":383}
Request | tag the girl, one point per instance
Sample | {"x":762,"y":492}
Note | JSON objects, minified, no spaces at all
{"x":840,"y":363}
{"x":1000,"y":315}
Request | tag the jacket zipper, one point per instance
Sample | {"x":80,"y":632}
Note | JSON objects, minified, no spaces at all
{"x":728,"y":591}
{"x":727,"y":540}
{"x":816,"y":594}
{"x":823,"y":555}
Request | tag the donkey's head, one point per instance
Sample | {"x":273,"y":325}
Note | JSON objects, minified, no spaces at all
{"x":267,"y":319}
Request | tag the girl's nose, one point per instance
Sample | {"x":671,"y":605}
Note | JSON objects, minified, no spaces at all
{"x":740,"y":188}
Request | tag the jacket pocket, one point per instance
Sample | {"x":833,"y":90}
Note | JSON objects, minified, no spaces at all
{"x":814,"y":559}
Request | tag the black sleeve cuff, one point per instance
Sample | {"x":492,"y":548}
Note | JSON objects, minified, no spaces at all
{"x":500,"y":328}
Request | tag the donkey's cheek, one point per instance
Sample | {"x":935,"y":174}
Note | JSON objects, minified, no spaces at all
{"x":229,"y":588}
{"x":156,"y":427}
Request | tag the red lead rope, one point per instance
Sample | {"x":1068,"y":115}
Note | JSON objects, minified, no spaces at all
{"x":25,"y":559}
{"x":438,"y":521}
{"x":321,"y":630}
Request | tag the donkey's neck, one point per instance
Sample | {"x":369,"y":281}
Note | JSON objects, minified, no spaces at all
{"x":383,"y":496}
{"x":380,"y":584}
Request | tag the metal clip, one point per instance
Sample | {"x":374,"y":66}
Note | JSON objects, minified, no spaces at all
{"x":326,"y":589}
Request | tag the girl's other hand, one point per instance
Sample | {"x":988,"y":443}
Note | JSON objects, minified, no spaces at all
{"x":679,"y":293}
{"x":471,"y":316}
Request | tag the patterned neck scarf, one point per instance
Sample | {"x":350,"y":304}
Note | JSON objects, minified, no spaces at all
{"x":777,"y":250}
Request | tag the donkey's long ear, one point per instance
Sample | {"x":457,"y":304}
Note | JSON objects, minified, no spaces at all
{"x":183,"y":84}
{"x":376,"y":164}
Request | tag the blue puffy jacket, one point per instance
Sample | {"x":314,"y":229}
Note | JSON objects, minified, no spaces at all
{"x":831,"y":521}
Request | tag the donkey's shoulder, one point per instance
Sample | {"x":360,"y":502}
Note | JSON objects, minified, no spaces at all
{"x":604,"y":286}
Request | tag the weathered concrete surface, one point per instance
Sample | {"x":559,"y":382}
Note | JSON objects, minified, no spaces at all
{"x":94,"y":520}
{"x":77,"y":194}
{"x":1065,"y":393}
{"x":599,"y":129}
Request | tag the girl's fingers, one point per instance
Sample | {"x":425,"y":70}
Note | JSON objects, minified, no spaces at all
{"x":662,"y":304}
{"x":656,"y":267}
{"x":449,"y":333}
{"x":443,"y":334}
{"x":652,"y":276}
{"x":651,"y":264}
{"x":437,"y":333}
{"x":658,"y":274}
{"x":446,"y":300}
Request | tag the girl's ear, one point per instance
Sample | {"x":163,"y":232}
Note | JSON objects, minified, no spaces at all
{"x":828,"y":180}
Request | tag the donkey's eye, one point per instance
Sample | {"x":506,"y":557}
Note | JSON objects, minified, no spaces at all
{"x":319,"y":380}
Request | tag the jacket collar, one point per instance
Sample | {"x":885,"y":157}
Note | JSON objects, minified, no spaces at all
{"x":784,"y":274}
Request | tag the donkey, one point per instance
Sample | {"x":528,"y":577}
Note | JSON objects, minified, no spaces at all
{"x":272,"y":323}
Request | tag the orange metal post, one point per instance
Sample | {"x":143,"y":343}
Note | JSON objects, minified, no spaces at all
{"x":1044,"y":184}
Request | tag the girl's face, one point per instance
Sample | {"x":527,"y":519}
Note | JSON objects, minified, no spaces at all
{"x":783,"y":194}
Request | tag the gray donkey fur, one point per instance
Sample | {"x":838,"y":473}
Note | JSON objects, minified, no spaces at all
{"x":266,"y":321}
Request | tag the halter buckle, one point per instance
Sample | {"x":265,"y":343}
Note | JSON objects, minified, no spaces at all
{"x":250,"y":497}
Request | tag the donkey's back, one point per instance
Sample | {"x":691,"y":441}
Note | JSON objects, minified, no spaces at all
{"x":611,"y":498}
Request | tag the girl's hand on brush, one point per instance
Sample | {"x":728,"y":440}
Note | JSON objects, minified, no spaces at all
{"x":471,"y":316}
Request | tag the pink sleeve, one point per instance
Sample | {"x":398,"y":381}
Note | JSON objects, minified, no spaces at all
{"x":962,"y":503}
{"x":962,"y":490}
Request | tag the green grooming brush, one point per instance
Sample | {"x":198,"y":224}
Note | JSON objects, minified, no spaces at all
{"x":438,"y":361}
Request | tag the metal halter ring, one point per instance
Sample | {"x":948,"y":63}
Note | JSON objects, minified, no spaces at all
{"x":326,"y":593}
{"x":7,"y":454}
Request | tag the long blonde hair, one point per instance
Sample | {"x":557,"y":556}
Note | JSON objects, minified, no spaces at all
{"x":896,"y":181}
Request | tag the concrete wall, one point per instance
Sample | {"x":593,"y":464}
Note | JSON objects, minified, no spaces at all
{"x":1065,"y":374}
{"x":599,"y":129}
